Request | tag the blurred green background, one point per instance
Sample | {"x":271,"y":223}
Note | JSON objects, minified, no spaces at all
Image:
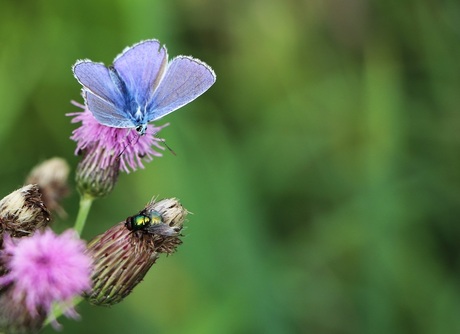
{"x":322,"y":168}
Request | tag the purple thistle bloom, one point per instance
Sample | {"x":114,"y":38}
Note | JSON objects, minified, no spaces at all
{"x":114,"y":144}
{"x":44,"y":269}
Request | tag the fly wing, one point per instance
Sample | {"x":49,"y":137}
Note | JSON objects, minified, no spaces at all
{"x":185,"y":79}
{"x":162,"y":229}
{"x":141,"y":68}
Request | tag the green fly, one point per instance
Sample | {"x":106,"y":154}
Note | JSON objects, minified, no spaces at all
{"x":150,"y":221}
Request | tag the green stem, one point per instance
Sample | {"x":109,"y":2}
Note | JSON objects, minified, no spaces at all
{"x":58,"y":311}
{"x":85,"y":206}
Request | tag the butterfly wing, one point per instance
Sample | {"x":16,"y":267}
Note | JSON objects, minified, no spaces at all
{"x":141,"y":68}
{"x":102,"y":96}
{"x":141,"y":80}
{"x":185,"y":79}
{"x":106,"y":113}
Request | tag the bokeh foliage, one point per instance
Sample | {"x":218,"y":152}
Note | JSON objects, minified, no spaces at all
{"x":323,"y":168}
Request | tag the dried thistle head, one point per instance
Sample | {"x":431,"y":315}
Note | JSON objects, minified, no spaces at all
{"x":173,"y":215}
{"x":122,"y":257}
{"x":51,"y":176}
{"x":23,"y":212}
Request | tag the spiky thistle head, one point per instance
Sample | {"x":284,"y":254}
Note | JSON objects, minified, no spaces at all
{"x":122,"y":257}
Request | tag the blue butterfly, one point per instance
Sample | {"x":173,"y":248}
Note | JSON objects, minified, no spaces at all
{"x":141,"y":86}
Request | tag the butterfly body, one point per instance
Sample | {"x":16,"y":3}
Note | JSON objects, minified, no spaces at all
{"x":141,"y":86}
{"x":135,"y":112}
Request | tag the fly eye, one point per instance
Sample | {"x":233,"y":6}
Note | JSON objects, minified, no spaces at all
{"x":128,"y":225}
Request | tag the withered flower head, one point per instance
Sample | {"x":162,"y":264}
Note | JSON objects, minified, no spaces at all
{"x":122,"y":256}
{"x":23,"y":212}
{"x":51,"y":176}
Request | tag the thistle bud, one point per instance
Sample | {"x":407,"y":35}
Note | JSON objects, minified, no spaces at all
{"x":51,"y":177}
{"x":123,"y":256}
{"x":93,"y":179}
{"x":23,"y":212}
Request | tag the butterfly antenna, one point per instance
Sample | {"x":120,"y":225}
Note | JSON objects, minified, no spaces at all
{"x":169,"y":148}
{"x":129,"y":143}
{"x":121,"y":153}
{"x":164,"y":142}
{"x":137,"y":140}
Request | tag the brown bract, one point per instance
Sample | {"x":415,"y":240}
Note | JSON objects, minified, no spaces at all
{"x":23,"y":212}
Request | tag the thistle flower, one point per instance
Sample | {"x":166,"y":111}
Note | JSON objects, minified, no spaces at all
{"x":51,"y":177}
{"x":107,"y":151}
{"x":23,"y":212}
{"x":111,"y":144}
{"x":42,"y":269}
{"x":122,"y":257}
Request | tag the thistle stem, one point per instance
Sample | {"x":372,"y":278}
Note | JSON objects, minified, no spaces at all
{"x":58,"y":311}
{"x":85,"y":206}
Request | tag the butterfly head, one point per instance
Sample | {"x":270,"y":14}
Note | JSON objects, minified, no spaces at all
{"x":140,"y":129}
